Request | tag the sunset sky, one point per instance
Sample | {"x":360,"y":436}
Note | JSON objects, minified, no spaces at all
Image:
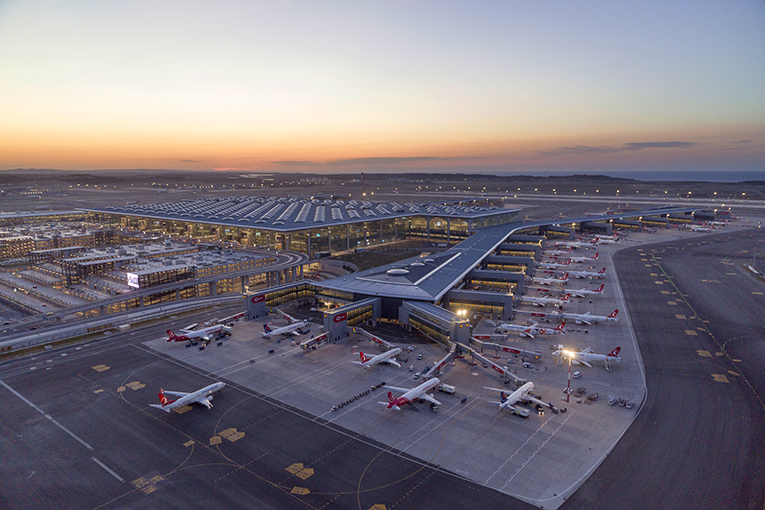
{"x":383,"y":86}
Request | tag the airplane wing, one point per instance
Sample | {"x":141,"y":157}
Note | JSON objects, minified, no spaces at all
{"x":205,"y":401}
{"x":587,"y":350}
{"x":402,"y":390}
{"x":392,"y":362}
{"x":536,"y":400}
{"x":583,"y":362}
{"x":160,"y":407}
{"x":286,"y":316}
{"x":585,"y":321}
{"x":175,"y":393}
{"x":430,"y":399}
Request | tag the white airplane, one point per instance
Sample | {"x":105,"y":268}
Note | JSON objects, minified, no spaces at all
{"x":522,"y":393}
{"x":554,"y":265}
{"x":203,"y":396}
{"x":563,"y":280}
{"x":386,"y":357}
{"x":544,"y":301}
{"x":204,"y":334}
{"x":588,"y":274}
{"x":588,"y":318}
{"x":579,"y":244}
{"x":291,"y":329}
{"x":717,"y":223}
{"x":585,"y":292}
{"x":411,"y":394}
{"x":579,"y":260}
{"x":700,"y":228}
{"x":585,"y":356}
{"x":558,"y":252}
{"x":530,"y":331}
{"x":607,"y":240}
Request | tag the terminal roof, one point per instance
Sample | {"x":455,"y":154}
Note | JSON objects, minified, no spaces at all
{"x":429,"y":278}
{"x":292,"y":214}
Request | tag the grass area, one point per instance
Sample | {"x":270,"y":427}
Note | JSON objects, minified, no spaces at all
{"x":380,"y":256}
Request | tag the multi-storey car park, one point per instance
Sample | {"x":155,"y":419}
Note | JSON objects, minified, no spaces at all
{"x":309,"y":225}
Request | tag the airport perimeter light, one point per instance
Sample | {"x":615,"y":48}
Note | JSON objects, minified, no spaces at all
{"x":570,"y":355}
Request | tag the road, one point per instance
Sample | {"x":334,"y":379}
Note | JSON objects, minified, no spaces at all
{"x":78,"y":433}
{"x":698,"y":440}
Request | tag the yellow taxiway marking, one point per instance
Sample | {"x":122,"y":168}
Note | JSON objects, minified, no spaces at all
{"x":720,"y":378}
{"x":215,"y":440}
{"x":135,"y":385}
{"x":690,"y":332}
{"x":644,"y":260}
{"x":100,"y":368}
{"x":304,"y":473}
{"x":706,"y":354}
{"x":672,"y":303}
{"x":647,"y":265}
{"x":654,"y":274}
{"x":181,"y":410}
{"x":719,"y":353}
{"x":711,"y":281}
{"x":658,"y":282}
{"x":300,"y":491}
{"x":701,"y":329}
{"x":232,"y":435}
{"x":188,"y":443}
{"x":665,"y":292}
{"x":682,"y":317}
{"x":757,"y":293}
{"x":736,"y":360}
{"x":294,"y":468}
{"x":731,"y":372}
{"x":148,"y":484}
{"x":378,"y":507}
{"x":121,"y":389}
{"x":98,"y":391}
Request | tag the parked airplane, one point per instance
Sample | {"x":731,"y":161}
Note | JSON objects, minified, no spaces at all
{"x":291,"y":329}
{"x":563,"y":280}
{"x":584,"y":292}
{"x":203,"y":396}
{"x":607,"y":240}
{"x":554,"y":265}
{"x":521,"y":394}
{"x":204,"y":334}
{"x":558,"y":252}
{"x":412,"y":394}
{"x":588,"y":274}
{"x":588,"y":318}
{"x":699,"y":228}
{"x":578,"y":244}
{"x":386,"y":357}
{"x":544,"y":301}
{"x":585,"y":356}
{"x":717,"y":223}
{"x":579,"y":260}
{"x":530,"y":331}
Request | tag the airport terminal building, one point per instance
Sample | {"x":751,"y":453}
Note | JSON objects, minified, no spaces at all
{"x":310,"y":225}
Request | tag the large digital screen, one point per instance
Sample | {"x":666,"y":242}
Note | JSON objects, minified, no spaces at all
{"x":132,"y":280}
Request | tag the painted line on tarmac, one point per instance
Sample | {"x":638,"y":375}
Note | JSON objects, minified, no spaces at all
{"x":106,"y":468}
{"x":83,"y":443}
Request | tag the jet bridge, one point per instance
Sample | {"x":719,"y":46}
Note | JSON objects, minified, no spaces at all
{"x":504,"y":373}
{"x":504,"y":348}
{"x":436,"y":371}
{"x":384,"y":343}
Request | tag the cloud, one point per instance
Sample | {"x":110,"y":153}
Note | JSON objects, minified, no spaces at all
{"x":295,"y":163}
{"x":365,"y":161}
{"x":579,"y":149}
{"x":607,"y":149}
{"x":190,"y":160}
{"x":746,"y":140}
{"x":637,"y":146}
{"x":383,"y":161}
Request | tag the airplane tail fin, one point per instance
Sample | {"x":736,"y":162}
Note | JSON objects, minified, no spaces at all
{"x":613,"y":314}
{"x":268,"y":330}
{"x":561,"y":326}
{"x":564,"y":277}
{"x":596,"y":256}
{"x":390,"y":398}
{"x":600,"y":289}
{"x":615,"y":353}
{"x":364,"y":358}
{"x":171,"y":337}
{"x":163,"y":398}
{"x":565,"y":298}
{"x":602,"y":271}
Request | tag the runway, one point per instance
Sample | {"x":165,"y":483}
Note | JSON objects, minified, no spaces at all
{"x":78,"y":433}
{"x":698,"y":441}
